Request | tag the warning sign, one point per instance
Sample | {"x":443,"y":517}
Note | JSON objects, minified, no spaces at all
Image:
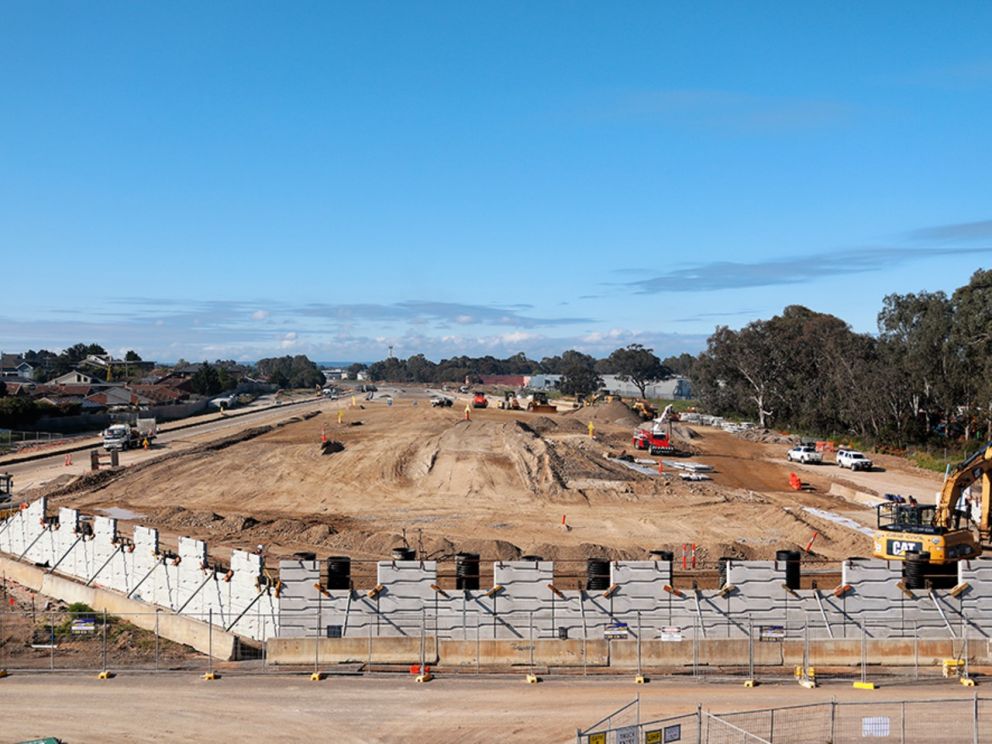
{"x":597,"y":738}
{"x":627,"y":735}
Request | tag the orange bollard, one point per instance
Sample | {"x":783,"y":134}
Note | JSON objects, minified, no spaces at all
{"x":68,"y":459}
{"x":661,"y":468}
{"x":468,"y":413}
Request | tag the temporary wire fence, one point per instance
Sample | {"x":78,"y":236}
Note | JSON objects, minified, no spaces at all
{"x":952,"y":721}
{"x":53,"y":638}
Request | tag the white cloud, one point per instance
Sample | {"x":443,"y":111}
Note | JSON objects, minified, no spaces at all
{"x":260,"y":315}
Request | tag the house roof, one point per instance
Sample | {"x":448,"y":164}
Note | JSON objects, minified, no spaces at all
{"x":81,"y":389}
{"x":118,"y":396}
{"x":17,"y":387}
{"x":158,"y":393}
{"x":70,"y":376}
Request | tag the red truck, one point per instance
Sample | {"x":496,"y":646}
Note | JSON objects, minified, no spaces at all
{"x":655,"y":443}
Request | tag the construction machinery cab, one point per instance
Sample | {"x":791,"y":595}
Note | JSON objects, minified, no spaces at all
{"x":539,"y":403}
{"x":479,"y":400}
{"x":6,"y":487}
{"x":911,"y":528}
{"x":510,"y":401}
{"x":645,"y":409}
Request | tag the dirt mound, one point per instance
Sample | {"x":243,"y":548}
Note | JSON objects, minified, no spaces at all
{"x":686,"y":433}
{"x":767,"y":436}
{"x":559,"y":425}
{"x":481,"y":458}
{"x":613,"y":412}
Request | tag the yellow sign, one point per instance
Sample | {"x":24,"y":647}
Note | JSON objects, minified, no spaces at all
{"x":652,"y":737}
{"x":597,"y":738}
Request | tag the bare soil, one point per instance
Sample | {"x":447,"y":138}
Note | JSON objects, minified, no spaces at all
{"x":498,"y":484}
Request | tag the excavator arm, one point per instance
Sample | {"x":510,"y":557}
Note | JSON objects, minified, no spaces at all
{"x":976,"y":468}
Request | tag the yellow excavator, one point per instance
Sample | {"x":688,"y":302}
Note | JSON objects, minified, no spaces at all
{"x":937,"y":530}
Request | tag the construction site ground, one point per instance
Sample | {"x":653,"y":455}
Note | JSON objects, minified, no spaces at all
{"x":499,"y":484}
{"x":181,"y":706}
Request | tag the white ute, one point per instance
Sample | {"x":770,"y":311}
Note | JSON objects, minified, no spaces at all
{"x":853,"y":459}
{"x":804,"y":453}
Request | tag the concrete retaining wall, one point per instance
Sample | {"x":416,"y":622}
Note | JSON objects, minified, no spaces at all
{"x":177,"y":628}
{"x":184,"y":581}
{"x":524,"y":604}
{"x":620,"y":655}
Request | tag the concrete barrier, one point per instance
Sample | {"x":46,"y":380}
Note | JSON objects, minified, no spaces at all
{"x":177,"y":628}
{"x":296,"y":651}
{"x":568,"y":653}
{"x":619,"y":654}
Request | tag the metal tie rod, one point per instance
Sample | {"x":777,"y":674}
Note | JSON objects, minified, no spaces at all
{"x":160,"y":561}
{"x":21,"y":556}
{"x":823,"y":613}
{"x":65,"y":554}
{"x":189,"y":599}
{"x":943,"y":617}
{"x":105,"y":564}
{"x":242,"y":613}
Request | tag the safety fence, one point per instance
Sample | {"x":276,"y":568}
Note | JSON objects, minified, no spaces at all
{"x":58,"y":637}
{"x":52,"y":639}
{"x":951,"y":721}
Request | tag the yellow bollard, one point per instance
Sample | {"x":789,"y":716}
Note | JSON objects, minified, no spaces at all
{"x":341,"y":417}
{"x":592,"y":430}
{"x":468,"y":413}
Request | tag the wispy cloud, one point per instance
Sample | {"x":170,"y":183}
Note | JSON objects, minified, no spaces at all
{"x":729,"y":110}
{"x":942,"y":240}
{"x":980,"y":230}
{"x":443,"y":312}
{"x":714,"y":316}
{"x":718,"y":275}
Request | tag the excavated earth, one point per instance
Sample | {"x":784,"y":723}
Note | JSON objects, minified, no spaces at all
{"x":499,"y":484}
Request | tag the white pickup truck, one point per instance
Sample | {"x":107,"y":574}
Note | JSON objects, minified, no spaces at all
{"x":806,"y":453}
{"x":853,"y":459}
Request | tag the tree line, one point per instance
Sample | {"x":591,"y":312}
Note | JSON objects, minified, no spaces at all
{"x":582,"y":373}
{"x":926,"y":375}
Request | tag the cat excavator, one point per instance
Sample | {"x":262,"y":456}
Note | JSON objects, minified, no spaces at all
{"x":911,"y":528}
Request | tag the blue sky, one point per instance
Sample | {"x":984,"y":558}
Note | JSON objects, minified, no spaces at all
{"x":237,"y":180}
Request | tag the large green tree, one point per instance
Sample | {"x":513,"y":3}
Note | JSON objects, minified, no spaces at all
{"x":638,"y":365}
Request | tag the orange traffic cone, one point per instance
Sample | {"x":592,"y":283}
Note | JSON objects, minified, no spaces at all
{"x":661,"y":467}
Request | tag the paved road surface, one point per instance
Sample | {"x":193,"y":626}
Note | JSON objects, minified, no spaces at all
{"x":34,"y":473}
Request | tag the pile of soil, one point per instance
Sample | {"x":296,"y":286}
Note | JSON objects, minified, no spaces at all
{"x":767,"y":436}
{"x":613,"y":412}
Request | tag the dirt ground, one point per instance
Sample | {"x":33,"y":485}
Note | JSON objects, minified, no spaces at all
{"x":498,"y":484}
{"x":36,"y":633}
{"x":182,"y":707}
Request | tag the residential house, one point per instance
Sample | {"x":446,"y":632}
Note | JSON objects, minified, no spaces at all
{"x":76,"y":377}
{"x":118,"y":397}
{"x":13,"y":365}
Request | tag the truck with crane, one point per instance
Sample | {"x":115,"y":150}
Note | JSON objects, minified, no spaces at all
{"x":127,"y":434}
{"x":658,"y":439}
